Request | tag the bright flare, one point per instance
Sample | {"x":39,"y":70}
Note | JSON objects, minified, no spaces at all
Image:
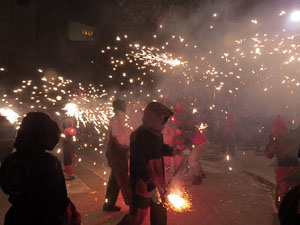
{"x":178,"y":201}
{"x":295,"y":16}
{"x":10,"y":115}
{"x":71,"y":110}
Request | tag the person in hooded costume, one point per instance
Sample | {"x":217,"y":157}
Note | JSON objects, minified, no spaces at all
{"x":289,"y":211}
{"x":147,"y":177}
{"x":117,"y":155}
{"x":284,"y":149}
{"x":33,"y":178}
{"x":188,"y":138}
{"x":69,"y":147}
{"x":7,"y":137}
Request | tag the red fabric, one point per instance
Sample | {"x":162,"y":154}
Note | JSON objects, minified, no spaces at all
{"x":156,"y":171}
{"x":69,"y":169}
{"x":72,"y":217}
{"x":71,"y":131}
{"x":122,"y":178}
{"x":178,"y":109}
{"x":230,"y":125}
{"x":281,"y":174}
{"x":280,"y":129}
{"x":199,"y":138}
{"x":178,"y":112}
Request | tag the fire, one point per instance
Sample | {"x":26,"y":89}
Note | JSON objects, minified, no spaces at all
{"x":178,"y":201}
{"x":10,"y":115}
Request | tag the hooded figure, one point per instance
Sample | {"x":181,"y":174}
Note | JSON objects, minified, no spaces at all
{"x":289,"y":211}
{"x":147,"y":176}
{"x":33,"y":178}
{"x":282,"y":146}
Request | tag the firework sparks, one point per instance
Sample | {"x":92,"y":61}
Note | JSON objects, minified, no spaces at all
{"x":10,"y":115}
{"x":202,"y":127}
{"x":178,"y":201}
{"x":71,"y":110}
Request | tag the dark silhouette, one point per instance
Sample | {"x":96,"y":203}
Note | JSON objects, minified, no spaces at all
{"x":33,"y":178}
{"x":7,"y":137}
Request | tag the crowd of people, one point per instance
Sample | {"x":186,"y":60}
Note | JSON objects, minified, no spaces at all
{"x":35,"y":180}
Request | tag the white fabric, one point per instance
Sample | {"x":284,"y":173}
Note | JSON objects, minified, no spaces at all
{"x":119,"y":130}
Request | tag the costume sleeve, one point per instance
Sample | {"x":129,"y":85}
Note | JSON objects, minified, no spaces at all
{"x":199,"y":138}
{"x":138,"y":158}
{"x":270,"y":151}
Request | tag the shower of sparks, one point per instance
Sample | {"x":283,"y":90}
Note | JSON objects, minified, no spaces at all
{"x":152,"y":56}
{"x":10,"y":115}
{"x":266,"y":60}
{"x":178,"y":201}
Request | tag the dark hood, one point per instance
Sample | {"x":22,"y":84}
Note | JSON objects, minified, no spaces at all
{"x":155,"y":117}
{"x":38,"y":132}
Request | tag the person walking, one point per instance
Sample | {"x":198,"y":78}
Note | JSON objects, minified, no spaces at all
{"x":117,"y":155}
{"x":285,"y":150}
{"x":147,"y":177}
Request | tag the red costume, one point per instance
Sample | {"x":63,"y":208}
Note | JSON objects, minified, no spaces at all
{"x":280,"y":147}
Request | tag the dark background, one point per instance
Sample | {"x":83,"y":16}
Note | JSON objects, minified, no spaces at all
{"x":37,"y":34}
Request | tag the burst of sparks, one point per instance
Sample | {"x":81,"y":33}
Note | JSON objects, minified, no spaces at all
{"x":10,"y":115}
{"x":202,"y":127}
{"x":178,"y":201}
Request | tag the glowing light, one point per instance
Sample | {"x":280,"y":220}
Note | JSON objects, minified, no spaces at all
{"x":178,"y":201}
{"x":71,"y":110}
{"x":40,"y":70}
{"x":227,"y":157}
{"x":295,"y":16}
{"x":10,"y":115}
{"x":2,"y":69}
{"x":254,"y":21}
{"x":202,"y":127}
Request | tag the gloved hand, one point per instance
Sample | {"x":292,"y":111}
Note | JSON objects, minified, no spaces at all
{"x":155,"y":196}
{"x":150,"y":185}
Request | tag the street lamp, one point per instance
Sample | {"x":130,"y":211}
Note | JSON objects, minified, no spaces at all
{"x":295,"y":16}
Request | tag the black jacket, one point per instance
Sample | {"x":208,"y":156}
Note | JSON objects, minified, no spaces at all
{"x":36,"y":188}
{"x":146,"y":160}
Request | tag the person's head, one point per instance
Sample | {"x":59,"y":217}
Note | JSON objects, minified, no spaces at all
{"x":179,"y":108}
{"x":155,"y":117}
{"x":280,"y":129}
{"x":38,"y":132}
{"x":119,"y":105}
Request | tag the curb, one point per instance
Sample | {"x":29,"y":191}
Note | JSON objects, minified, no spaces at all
{"x":260,"y":179}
